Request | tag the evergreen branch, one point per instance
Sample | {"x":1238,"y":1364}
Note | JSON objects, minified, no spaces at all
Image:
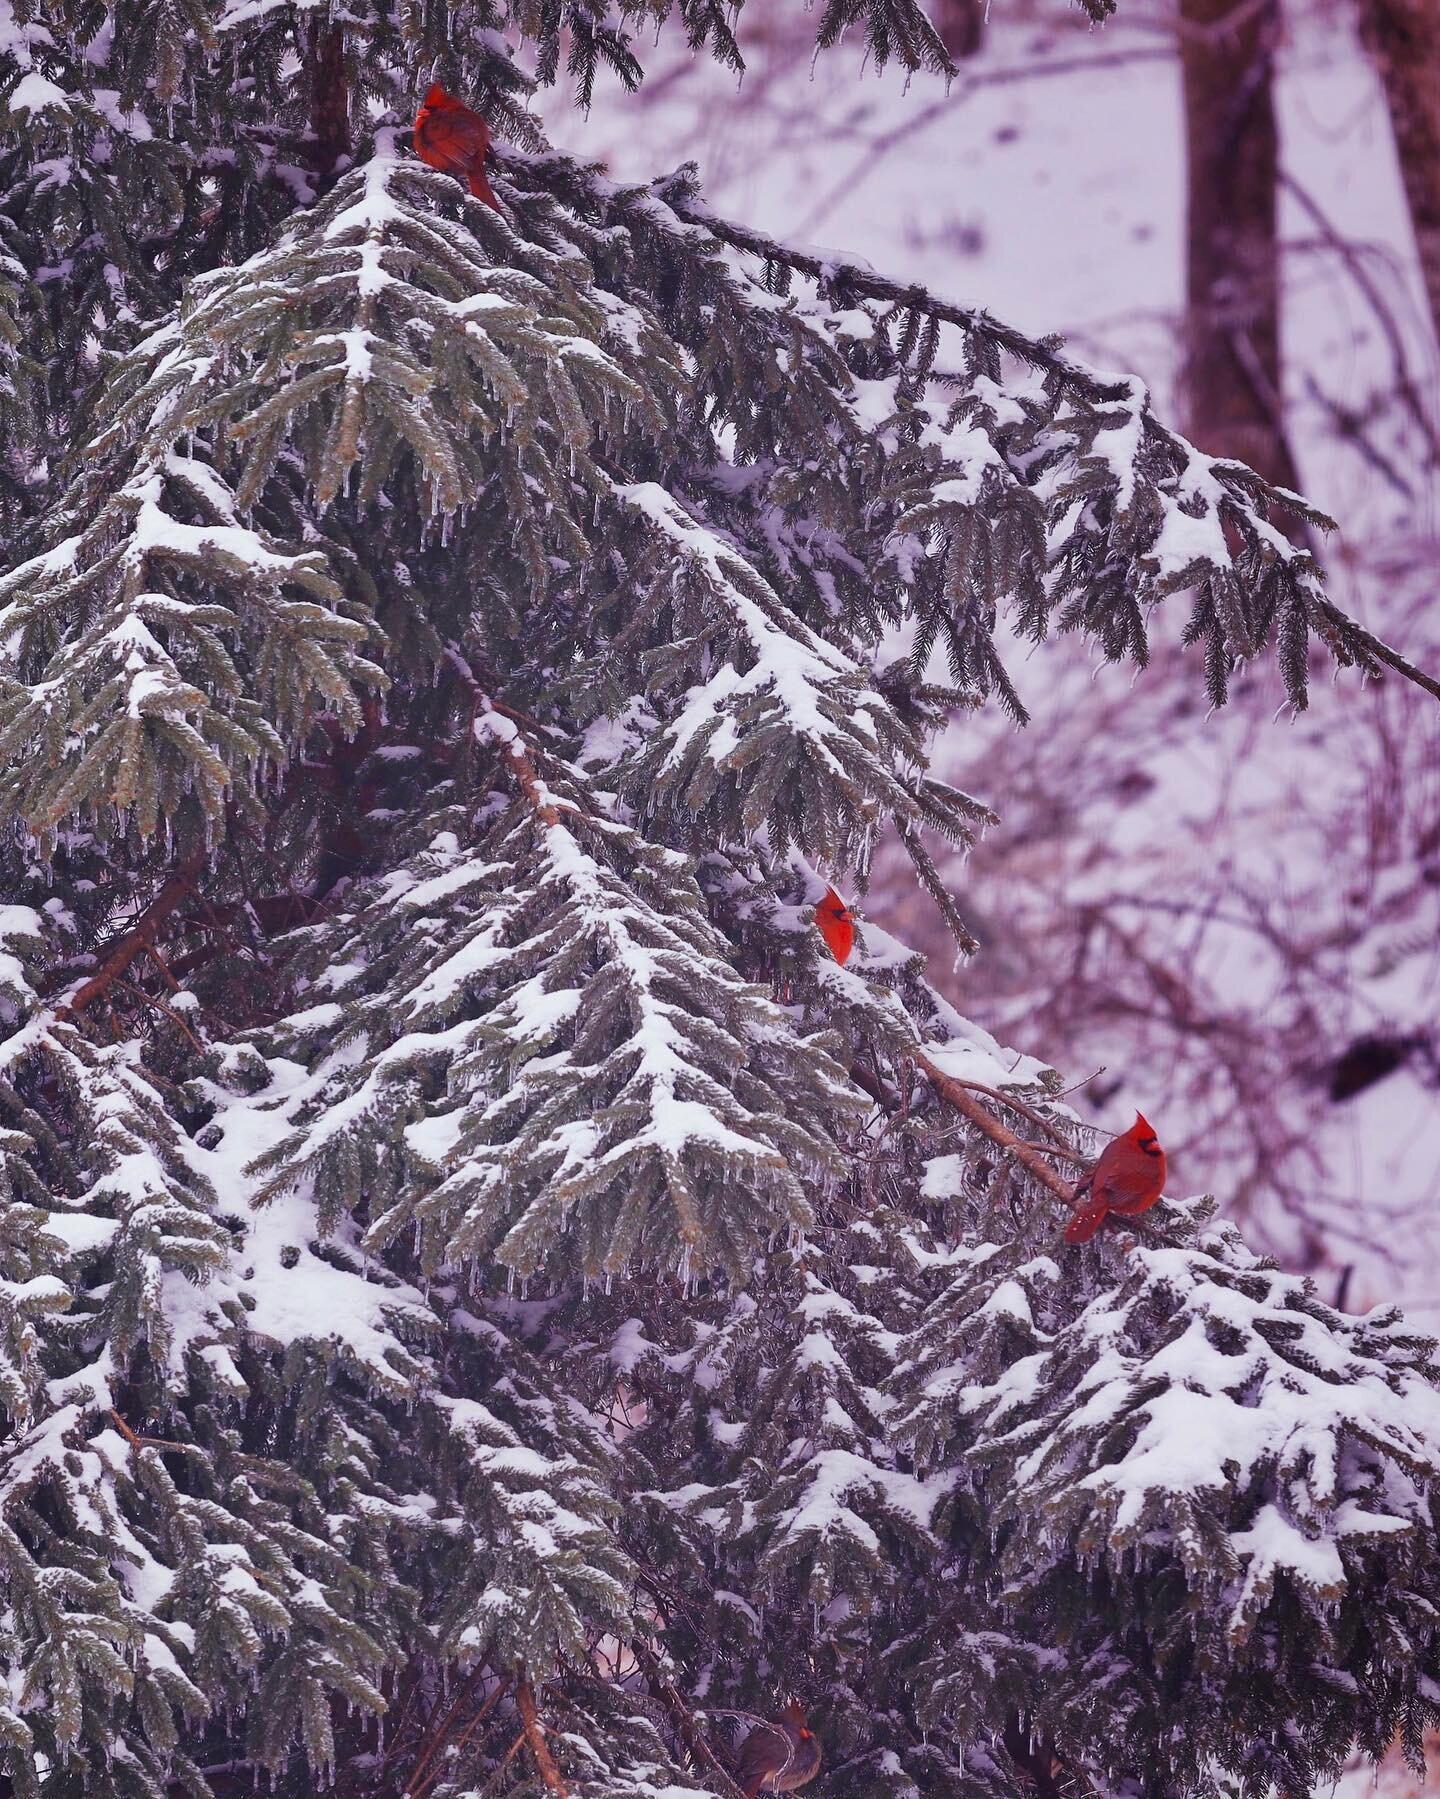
{"x":849,"y":276}
{"x":930,"y":879}
{"x":1380,"y":650}
{"x":1026,"y":1154}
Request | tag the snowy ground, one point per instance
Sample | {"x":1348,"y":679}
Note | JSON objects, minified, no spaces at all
{"x":1047,"y":186}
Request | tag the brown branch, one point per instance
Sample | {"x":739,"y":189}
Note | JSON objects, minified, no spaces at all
{"x":124,"y":950}
{"x":1037,"y":1760}
{"x":535,"y":1737}
{"x":274,"y":913}
{"x":1026,"y":1154}
{"x":684,"y":1720}
{"x":138,"y":1442}
{"x":164,"y":967}
{"x":472,"y":1725}
{"x":459,"y":665}
{"x":433,"y":1740}
{"x":507,"y":1758}
{"x":513,"y":747}
{"x":528,"y":776}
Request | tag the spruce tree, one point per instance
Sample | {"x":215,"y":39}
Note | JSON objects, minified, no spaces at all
{"x":488,"y":1304}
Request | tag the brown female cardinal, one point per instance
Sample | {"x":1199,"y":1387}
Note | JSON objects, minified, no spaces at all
{"x":836,"y":924}
{"x":778,"y":1757}
{"x":453,"y":139}
{"x":1128,"y":1178}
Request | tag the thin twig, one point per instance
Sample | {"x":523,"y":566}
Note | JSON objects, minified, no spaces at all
{"x":433,"y":1741}
{"x":874,"y":153}
{"x":1064,"y":1148}
{"x":166,"y":1011}
{"x":1349,"y":255}
{"x":136,"y":1441}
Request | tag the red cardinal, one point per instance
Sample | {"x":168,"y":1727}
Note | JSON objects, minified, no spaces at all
{"x":778,"y":1757}
{"x":452,"y":138}
{"x":1128,"y":1178}
{"x":837,"y":925}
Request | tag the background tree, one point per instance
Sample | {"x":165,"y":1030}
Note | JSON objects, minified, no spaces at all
{"x":1233,"y":379}
{"x":1403,"y":40}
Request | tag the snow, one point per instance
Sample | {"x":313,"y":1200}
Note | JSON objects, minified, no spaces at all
{"x":290,"y":1293}
{"x":835,"y":1477}
{"x":106,"y":101}
{"x":1204,"y":1420}
{"x":32,"y":93}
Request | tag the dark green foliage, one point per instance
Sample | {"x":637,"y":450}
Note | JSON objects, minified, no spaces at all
{"x":487,"y":1304}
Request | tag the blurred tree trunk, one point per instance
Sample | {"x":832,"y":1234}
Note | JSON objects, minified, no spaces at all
{"x":1403,"y":36}
{"x":1232,"y":370}
{"x":961,"y":24}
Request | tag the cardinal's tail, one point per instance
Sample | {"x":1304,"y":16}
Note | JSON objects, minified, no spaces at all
{"x":1087,"y":1218}
{"x":482,"y":189}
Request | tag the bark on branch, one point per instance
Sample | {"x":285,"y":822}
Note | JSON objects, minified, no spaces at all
{"x":690,"y":1731}
{"x":1066,"y":1151}
{"x":117,"y":958}
{"x":1031,"y":1159}
{"x":535,"y":1737}
{"x":502,"y":725}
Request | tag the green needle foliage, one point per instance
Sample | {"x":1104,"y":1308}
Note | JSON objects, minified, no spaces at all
{"x":487,"y":1304}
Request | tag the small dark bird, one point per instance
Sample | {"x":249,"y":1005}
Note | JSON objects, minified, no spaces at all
{"x":454,"y":139}
{"x":1128,"y":1178}
{"x":780,"y":1756}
